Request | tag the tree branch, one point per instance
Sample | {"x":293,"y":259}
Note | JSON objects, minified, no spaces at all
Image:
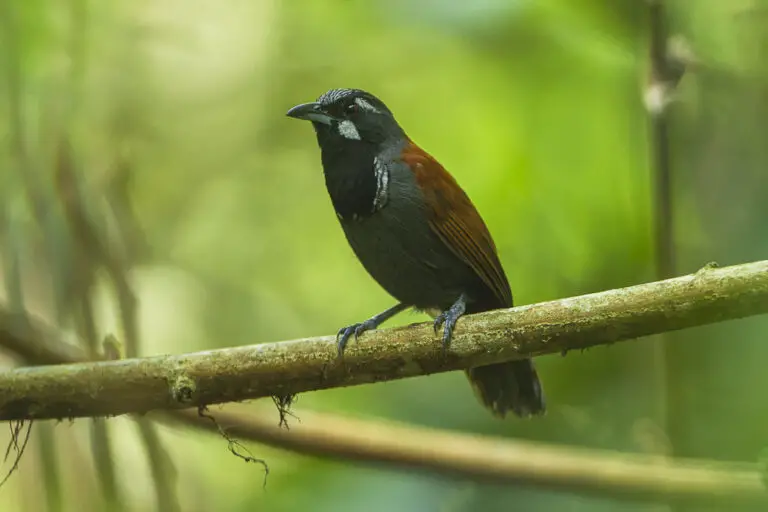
{"x":478,"y":457}
{"x":246,"y":372}
{"x":601,"y":473}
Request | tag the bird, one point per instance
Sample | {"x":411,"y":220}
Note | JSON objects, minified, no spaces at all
{"x":416,"y":233}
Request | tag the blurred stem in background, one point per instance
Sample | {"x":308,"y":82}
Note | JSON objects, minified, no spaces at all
{"x":662,"y":209}
{"x":657,"y":99}
{"x":666,"y":70}
{"x":661,"y":85}
{"x":14,"y":242}
{"x":74,"y":239}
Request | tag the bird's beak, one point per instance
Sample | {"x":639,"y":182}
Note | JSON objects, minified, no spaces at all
{"x":310,"y":112}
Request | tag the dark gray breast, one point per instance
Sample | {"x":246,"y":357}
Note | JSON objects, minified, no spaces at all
{"x":399,"y":249}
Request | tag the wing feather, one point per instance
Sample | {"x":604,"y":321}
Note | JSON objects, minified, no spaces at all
{"x":456,"y":221}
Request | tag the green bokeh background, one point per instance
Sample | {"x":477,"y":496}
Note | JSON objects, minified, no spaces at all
{"x":534,"y":106}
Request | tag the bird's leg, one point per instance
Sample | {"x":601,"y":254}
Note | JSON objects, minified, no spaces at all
{"x":357,"y":329}
{"x":449,"y":317}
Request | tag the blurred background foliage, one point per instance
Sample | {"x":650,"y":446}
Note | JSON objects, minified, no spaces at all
{"x":144,"y":154}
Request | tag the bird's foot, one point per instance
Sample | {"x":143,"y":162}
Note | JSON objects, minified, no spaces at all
{"x":448,"y":318}
{"x":342,"y":337}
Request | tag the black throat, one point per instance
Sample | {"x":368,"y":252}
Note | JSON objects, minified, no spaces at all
{"x":350,"y":177}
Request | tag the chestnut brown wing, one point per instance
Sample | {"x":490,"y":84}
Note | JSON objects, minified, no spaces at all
{"x":456,"y":221}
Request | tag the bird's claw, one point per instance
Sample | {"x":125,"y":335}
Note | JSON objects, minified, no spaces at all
{"x":439,"y":320}
{"x":342,"y":337}
{"x":448,"y":322}
{"x":447,"y":319}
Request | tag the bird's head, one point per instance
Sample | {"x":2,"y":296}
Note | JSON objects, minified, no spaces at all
{"x":344,"y":118}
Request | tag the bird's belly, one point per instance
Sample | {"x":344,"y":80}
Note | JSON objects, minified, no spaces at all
{"x":408,"y":260}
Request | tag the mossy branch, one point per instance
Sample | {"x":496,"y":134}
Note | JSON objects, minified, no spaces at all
{"x":234,"y":374}
{"x":709,"y":296}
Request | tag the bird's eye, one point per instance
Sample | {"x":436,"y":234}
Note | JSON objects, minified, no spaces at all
{"x":352,"y":108}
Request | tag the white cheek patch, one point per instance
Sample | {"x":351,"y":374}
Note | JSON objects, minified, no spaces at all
{"x":363,"y":104}
{"x":348,"y":130}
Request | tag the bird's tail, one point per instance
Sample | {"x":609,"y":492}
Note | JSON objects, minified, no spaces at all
{"x":509,"y":386}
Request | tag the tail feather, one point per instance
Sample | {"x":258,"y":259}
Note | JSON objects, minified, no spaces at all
{"x":508,"y":386}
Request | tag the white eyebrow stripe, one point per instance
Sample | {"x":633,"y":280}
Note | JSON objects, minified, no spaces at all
{"x":348,"y":130}
{"x":363,"y":104}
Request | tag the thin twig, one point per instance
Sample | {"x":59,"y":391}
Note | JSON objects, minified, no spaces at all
{"x":245,"y":372}
{"x":17,"y":427}
{"x":235,"y":447}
